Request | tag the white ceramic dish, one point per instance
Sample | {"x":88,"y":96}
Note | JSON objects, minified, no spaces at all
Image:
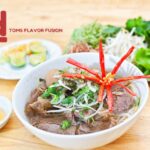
{"x":10,"y":73}
{"x":6,"y":106}
{"x":88,"y":141}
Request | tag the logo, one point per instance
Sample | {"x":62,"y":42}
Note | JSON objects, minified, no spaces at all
{"x":3,"y":16}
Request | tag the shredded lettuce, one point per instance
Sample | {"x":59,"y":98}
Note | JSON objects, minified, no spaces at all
{"x":142,"y":60}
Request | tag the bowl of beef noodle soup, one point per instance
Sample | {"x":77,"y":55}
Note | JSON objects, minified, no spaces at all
{"x":82,"y":100}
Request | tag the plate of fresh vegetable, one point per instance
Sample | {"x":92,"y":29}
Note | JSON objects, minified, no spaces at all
{"x":116,"y":39}
{"x":18,"y":58}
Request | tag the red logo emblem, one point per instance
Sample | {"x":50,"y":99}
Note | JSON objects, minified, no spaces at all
{"x":3,"y":37}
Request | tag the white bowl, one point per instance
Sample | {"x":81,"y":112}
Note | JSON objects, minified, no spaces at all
{"x":6,"y":106}
{"x":88,"y":141}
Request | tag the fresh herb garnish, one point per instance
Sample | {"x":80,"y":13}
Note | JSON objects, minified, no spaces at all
{"x":66,"y":124}
{"x":55,"y":99}
{"x":50,"y":90}
{"x":142,"y":28}
{"x":92,"y":33}
{"x":67,"y":101}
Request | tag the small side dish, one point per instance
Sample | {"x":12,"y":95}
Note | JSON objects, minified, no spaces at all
{"x":5,"y":110}
{"x":82,"y":100}
{"x":33,"y":53}
{"x":18,"y":58}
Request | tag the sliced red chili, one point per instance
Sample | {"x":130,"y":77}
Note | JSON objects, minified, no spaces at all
{"x":101,"y":59}
{"x":100,"y":94}
{"x":130,"y":78}
{"x":104,"y":83}
{"x":110,"y":100}
{"x":127,"y":89}
{"x":81,"y":76}
{"x":82,"y":66}
{"x":122,"y":60}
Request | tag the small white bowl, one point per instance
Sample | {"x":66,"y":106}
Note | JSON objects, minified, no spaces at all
{"x":6,"y":107}
{"x":87,"y":141}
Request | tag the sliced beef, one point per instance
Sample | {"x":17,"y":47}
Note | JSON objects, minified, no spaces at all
{"x":55,"y":128}
{"x":40,"y":106}
{"x":37,"y":107}
{"x":100,"y":123}
{"x":83,"y":129}
{"x":34,"y":95}
{"x":123,"y":103}
{"x":53,"y":123}
{"x":122,"y":100}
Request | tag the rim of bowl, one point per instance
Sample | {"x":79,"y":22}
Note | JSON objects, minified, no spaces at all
{"x":26,"y":123}
{"x":10,"y":108}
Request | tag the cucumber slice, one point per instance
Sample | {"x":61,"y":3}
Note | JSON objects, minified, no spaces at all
{"x":36,"y":59}
{"x":37,"y":47}
{"x":28,"y":50}
{"x":18,"y":59}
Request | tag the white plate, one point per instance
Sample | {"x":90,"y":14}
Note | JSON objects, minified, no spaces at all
{"x":10,"y":73}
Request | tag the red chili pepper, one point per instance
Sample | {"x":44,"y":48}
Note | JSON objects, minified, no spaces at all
{"x":81,"y":66}
{"x":130,"y":78}
{"x":81,"y":76}
{"x":110,"y":100}
{"x":101,"y":59}
{"x":127,"y":89}
{"x":100,"y":94}
{"x":122,"y":60}
{"x":109,"y":81}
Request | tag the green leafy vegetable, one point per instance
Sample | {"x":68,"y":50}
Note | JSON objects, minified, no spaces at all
{"x":50,"y":90}
{"x":67,"y":101}
{"x":142,"y":28}
{"x":93,"y":32}
{"x":66,"y":124}
{"x":85,"y":90}
{"x":55,"y":99}
{"x":142,"y":60}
